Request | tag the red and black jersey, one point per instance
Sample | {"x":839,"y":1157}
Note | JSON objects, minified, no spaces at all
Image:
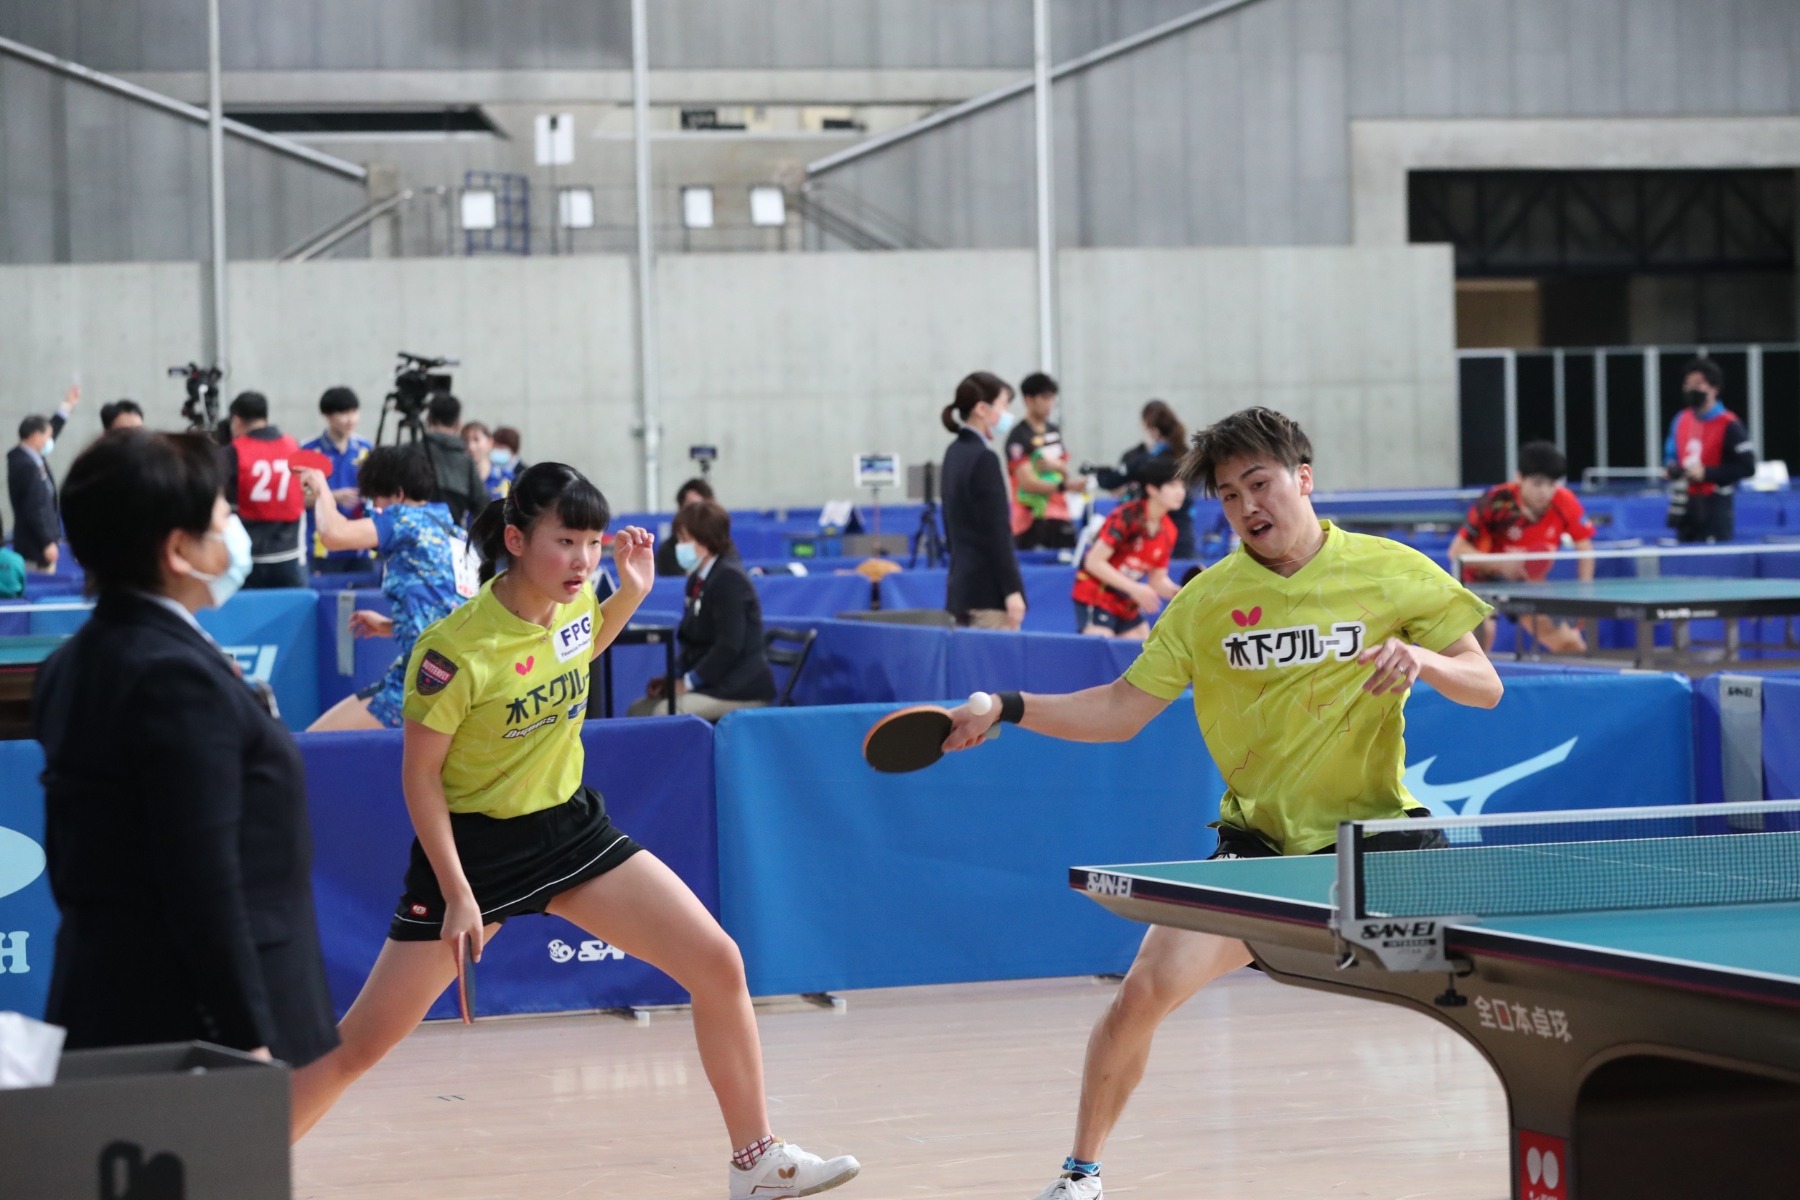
{"x":268,"y":488}
{"x":1498,"y":523}
{"x":1137,"y":550}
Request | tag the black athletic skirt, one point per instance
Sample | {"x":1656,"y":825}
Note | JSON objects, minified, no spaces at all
{"x":515,"y":866}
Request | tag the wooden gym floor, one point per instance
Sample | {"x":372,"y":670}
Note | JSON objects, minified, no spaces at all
{"x":1254,"y":1090}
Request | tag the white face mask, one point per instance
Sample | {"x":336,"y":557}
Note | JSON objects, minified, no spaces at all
{"x":687,"y":554}
{"x":500,"y":456}
{"x":225,"y":585}
{"x":49,"y":447}
{"x":1004,"y":425}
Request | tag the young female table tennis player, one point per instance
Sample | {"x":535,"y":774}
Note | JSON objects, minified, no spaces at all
{"x":496,"y":695}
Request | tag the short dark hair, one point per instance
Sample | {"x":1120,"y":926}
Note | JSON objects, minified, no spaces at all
{"x":1707,"y":369}
{"x":444,"y":410}
{"x":338,"y":400}
{"x":127,"y":493}
{"x":1248,"y":433}
{"x":506,"y":435}
{"x":697,"y":486}
{"x":1542,"y":459}
{"x":118,"y":408}
{"x":1038,"y":384}
{"x":32,"y":426}
{"x":541,"y":488}
{"x":250,"y":406}
{"x":707,"y":523}
{"x":397,"y":471}
{"x":1157,"y":471}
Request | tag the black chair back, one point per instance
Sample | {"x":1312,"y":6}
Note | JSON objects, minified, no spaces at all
{"x":792,"y":655}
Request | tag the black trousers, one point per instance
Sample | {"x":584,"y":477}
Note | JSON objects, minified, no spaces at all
{"x":1708,"y":518}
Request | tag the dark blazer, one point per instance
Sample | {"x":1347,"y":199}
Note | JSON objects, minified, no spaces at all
{"x":977,"y":527}
{"x":178,"y":844}
{"x":459,"y":481}
{"x":32,"y":490}
{"x":721,"y":636}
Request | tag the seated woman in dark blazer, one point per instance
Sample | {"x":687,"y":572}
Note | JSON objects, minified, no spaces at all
{"x":175,"y":802}
{"x":724,"y":664}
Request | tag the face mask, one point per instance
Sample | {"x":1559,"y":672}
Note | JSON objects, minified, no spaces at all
{"x":687,"y":554}
{"x":1004,"y":425}
{"x":237,"y":544}
{"x":49,"y":447}
{"x":1695,"y":398}
{"x":500,"y":456}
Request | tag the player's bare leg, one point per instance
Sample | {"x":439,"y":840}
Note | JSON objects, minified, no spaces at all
{"x":402,"y":986}
{"x":1171,"y":965}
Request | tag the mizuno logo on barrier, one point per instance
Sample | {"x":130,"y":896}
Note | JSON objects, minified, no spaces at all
{"x":1470,"y":796}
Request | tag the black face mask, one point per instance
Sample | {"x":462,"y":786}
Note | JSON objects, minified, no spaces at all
{"x":1695,"y":398}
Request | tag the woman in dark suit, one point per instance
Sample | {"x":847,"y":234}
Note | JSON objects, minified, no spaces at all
{"x":984,"y":588}
{"x":724,"y":663}
{"x":176,"y":829}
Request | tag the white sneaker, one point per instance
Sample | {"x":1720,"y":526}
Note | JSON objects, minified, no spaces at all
{"x":1072,"y":1187}
{"x":786,"y":1170}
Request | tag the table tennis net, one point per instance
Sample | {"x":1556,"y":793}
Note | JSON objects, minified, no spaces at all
{"x":1595,"y":860}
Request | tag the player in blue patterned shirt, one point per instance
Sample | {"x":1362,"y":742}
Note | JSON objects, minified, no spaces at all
{"x":429,"y":570}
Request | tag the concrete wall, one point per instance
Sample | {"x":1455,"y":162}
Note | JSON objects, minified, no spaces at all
{"x":1237,"y":130}
{"x":789,"y":363}
{"x":539,"y":35}
{"x":89,"y":176}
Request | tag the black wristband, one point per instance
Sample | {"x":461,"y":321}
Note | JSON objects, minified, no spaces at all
{"x":1012,"y":707}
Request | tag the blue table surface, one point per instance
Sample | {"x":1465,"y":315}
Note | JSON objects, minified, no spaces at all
{"x":1762,"y":939}
{"x":29,"y":649}
{"x":1667,"y":589}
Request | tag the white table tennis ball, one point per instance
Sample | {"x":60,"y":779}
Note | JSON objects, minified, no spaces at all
{"x":981,"y":704}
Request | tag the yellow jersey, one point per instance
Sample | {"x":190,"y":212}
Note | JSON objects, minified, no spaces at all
{"x":513,"y":696}
{"x":1278,"y":690}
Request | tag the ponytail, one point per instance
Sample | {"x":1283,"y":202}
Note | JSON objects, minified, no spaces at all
{"x":542,"y":487}
{"x":983,"y":387}
{"x":488,"y":536}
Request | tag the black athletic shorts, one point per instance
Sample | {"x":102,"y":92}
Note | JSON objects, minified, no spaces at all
{"x":1241,"y":843}
{"x":515,"y":866}
{"x":1089,"y":614}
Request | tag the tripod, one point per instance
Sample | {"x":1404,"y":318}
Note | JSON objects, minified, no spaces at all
{"x":926,"y":539}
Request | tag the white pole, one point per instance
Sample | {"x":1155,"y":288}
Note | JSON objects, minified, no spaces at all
{"x":215,"y":165}
{"x":649,"y":402}
{"x":1046,"y":206}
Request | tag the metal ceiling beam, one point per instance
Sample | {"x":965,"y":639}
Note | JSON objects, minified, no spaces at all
{"x":1074,"y":66}
{"x":188,"y":112}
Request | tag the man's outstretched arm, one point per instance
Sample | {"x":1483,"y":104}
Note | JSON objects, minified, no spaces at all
{"x":1112,"y":712}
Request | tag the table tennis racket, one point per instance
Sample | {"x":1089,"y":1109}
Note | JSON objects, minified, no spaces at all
{"x":309,"y":459}
{"x":465,"y":980}
{"x":913,"y":738}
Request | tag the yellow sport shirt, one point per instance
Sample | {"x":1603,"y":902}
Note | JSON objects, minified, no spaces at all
{"x":512,"y":695}
{"x":1277,"y":687}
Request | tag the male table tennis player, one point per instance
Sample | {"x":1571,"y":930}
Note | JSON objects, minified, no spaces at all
{"x":1301,"y":647}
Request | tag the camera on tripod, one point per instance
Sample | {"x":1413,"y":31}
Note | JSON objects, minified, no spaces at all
{"x":201,"y":409}
{"x":416,"y":381}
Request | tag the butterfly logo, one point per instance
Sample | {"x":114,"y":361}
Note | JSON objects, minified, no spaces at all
{"x":1245,"y":620}
{"x":524,"y":668}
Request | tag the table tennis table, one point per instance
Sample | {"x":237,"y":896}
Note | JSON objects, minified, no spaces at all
{"x":20,"y":658}
{"x":1673,"y":599}
{"x":1644,"y":1020}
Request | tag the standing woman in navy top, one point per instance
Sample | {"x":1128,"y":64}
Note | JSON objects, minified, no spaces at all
{"x":984,"y":589}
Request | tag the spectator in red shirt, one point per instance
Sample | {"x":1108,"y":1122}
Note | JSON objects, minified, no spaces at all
{"x":1534,"y":512}
{"x":1125,"y":573}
